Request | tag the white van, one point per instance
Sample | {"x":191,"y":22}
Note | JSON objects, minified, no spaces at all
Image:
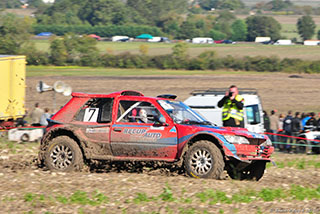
{"x":283,"y":42}
{"x":202,"y":40}
{"x":119,"y":38}
{"x":205,"y":102}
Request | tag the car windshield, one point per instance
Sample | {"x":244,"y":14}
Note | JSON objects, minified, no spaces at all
{"x":181,"y":113}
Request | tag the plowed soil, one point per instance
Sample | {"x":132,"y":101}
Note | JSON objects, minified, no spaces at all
{"x":277,"y":90}
{"x":26,"y":188}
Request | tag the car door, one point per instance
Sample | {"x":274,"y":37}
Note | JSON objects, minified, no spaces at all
{"x":138,"y":132}
{"x":93,"y":121}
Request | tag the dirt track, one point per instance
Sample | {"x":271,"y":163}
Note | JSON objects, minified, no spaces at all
{"x":278,"y":91}
{"x":25,"y":188}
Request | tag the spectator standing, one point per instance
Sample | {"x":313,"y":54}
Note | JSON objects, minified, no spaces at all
{"x":274,"y":126}
{"x":304,"y":120}
{"x":280,"y":121}
{"x":266,"y":121}
{"x":287,"y":127}
{"x":36,"y":115}
{"x":46,"y":115}
{"x":296,"y":126}
{"x":232,"y":111}
{"x":311,"y":124}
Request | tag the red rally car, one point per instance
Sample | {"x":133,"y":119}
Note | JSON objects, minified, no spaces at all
{"x":126,"y":125}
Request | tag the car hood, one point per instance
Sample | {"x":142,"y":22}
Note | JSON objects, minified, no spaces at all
{"x":230,"y":131}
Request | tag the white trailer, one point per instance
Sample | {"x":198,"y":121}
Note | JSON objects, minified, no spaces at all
{"x":205,"y":102}
{"x":119,"y":38}
{"x":283,"y":42}
{"x":155,"y":39}
{"x":202,"y":40}
{"x":262,"y":39}
{"x":311,"y":42}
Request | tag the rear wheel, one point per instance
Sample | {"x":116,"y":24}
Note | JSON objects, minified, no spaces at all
{"x":254,"y":171}
{"x":63,"y":154}
{"x":204,"y":160}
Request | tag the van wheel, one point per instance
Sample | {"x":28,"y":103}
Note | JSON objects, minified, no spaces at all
{"x":63,"y":154}
{"x":204,"y":160}
{"x":254,"y":171}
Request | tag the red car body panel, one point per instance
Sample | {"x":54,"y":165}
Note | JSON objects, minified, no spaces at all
{"x":136,"y":141}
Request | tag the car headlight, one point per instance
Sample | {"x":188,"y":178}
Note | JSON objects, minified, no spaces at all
{"x":235,"y":139}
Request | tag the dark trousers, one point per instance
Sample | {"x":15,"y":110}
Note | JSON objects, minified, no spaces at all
{"x":288,"y":140}
{"x":232,"y":123}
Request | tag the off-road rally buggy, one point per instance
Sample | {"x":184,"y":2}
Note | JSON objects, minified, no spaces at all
{"x":127,"y":126}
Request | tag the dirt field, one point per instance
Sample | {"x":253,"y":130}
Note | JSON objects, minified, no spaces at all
{"x":291,"y":187}
{"x":277,"y":90}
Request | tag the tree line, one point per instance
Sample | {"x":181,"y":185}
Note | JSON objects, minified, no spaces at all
{"x":72,"y":49}
{"x":170,"y":18}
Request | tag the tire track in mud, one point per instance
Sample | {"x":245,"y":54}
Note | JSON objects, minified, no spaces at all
{"x":273,"y":177}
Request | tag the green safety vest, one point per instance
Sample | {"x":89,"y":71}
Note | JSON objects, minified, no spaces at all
{"x":230,"y":110}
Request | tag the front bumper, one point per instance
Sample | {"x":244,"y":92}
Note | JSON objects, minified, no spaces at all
{"x":249,"y":152}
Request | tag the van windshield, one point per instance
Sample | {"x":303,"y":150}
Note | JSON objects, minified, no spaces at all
{"x":253,"y":114}
{"x":181,"y":113}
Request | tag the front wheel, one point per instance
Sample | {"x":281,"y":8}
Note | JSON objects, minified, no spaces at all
{"x":63,"y":154}
{"x":204,"y":160}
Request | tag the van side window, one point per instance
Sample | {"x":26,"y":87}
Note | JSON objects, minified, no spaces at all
{"x":253,"y":114}
{"x":96,"y":110}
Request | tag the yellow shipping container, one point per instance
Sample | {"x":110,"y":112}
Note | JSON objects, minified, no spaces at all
{"x":12,"y":87}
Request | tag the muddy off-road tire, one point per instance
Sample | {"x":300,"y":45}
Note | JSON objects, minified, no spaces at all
{"x":254,"y":171}
{"x":204,"y":160}
{"x":64,"y":155}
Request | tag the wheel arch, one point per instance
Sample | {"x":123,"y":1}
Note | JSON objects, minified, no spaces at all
{"x":60,"y":131}
{"x":202,"y":136}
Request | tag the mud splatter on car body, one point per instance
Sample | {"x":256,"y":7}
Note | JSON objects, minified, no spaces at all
{"x":126,"y":125}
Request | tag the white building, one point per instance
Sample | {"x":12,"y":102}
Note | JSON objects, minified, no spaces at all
{"x":311,"y":42}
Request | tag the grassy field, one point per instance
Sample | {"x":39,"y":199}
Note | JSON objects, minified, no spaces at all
{"x":236,"y":50}
{"x":288,"y":25}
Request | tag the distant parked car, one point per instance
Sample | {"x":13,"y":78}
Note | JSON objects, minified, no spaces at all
{"x":267,"y":42}
{"x":124,"y":40}
{"x":218,"y":41}
{"x":45,"y":34}
{"x":228,"y":42}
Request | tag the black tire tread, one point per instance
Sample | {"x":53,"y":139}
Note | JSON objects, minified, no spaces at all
{"x":78,"y":160}
{"x":218,"y":166}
